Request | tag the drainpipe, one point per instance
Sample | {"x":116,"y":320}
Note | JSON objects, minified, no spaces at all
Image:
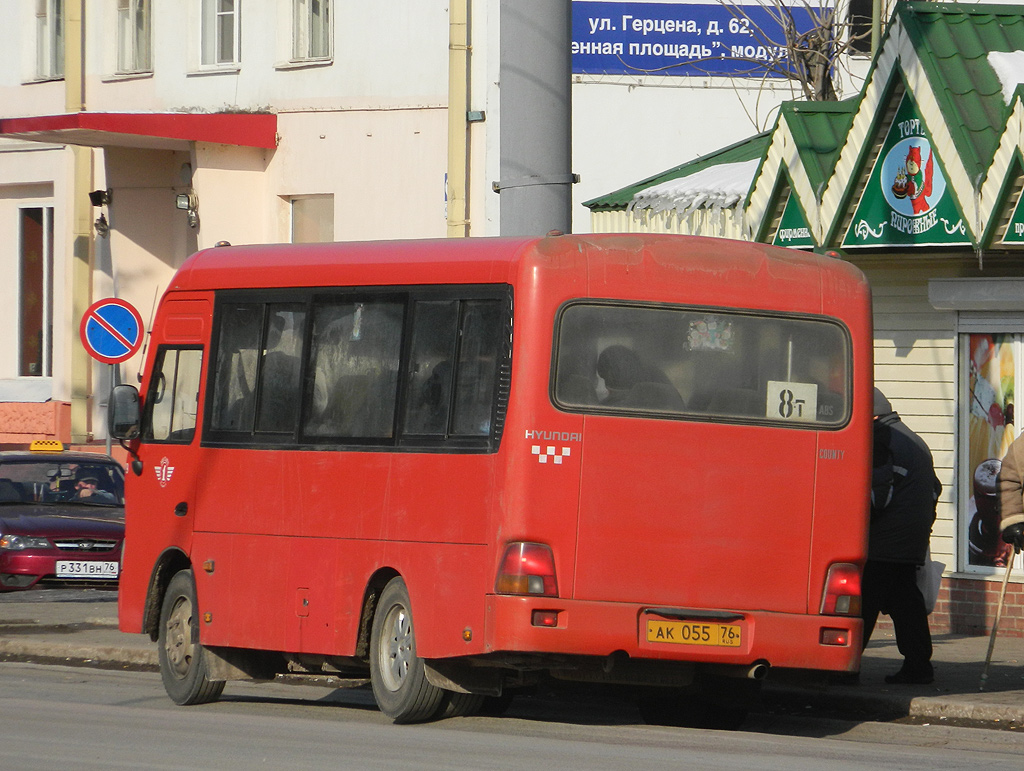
{"x":876,"y":25}
{"x":81,"y":222}
{"x":458,"y":125}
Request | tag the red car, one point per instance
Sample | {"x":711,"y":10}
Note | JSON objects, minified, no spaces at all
{"x":61,"y":518}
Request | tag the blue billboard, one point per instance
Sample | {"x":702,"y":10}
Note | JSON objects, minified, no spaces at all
{"x":682,"y":39}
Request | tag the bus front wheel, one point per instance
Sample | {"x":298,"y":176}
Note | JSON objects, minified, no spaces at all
{"x":182,"y":664}
{"x":397,"y":676}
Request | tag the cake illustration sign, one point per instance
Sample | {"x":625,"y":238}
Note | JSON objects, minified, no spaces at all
{"x":905,"y":202}
{"x":910,"y":181}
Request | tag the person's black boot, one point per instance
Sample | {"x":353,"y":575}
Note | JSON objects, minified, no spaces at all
{"x":912,"y":676}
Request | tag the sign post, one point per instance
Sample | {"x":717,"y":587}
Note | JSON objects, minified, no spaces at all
{"x":112,"y":332}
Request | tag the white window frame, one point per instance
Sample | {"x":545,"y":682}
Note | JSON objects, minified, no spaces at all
{"x":134,"y":37}
{"x":49,"y":31}
{"x":214,"y":22}
{"x":980,"y":321}
{"x":312,"y":20}
{"x":46,"y":344}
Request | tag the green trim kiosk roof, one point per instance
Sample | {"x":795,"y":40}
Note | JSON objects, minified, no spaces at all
{"x":927,"y":155}
{"x":746,"y":150}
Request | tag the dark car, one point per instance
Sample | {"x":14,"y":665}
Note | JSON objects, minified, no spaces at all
{"x":61,"y":518}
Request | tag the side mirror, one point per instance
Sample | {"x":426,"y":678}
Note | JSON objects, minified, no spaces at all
{"x":123,"y":412}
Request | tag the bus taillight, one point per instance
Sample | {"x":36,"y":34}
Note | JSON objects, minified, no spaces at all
{"x":527,"y":568}
{"x":842,"y":591}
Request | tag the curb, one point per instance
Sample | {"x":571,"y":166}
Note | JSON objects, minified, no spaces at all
{"x":99,"y":656}
{"x":967,"y":707}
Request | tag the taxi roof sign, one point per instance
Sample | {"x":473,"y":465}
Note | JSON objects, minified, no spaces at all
{"x":46,"y":445}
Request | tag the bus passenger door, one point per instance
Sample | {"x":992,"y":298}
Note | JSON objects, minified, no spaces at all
{"x":160,"y":497}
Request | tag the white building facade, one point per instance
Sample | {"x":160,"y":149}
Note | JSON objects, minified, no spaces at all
{"x":202,"y":121}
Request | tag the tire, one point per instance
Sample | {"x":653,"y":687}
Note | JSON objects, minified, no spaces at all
{"x":462,"y":704}
{"x":182,"y":663}
{"x":397,"y":676}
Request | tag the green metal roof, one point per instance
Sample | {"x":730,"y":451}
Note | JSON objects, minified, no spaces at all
{"x":746,"y":150}
{"x":819,"y":130}
{"x":952,"y":42}
{"x":941,"y":53}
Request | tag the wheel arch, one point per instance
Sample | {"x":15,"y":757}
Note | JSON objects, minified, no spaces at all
{"x":169,"y":562}
{"x":374,"y":586}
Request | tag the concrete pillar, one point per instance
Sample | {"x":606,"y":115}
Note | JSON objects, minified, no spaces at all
{"x":536,"y":117}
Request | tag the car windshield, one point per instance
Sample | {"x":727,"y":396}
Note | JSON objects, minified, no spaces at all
{"x":58,"y":480}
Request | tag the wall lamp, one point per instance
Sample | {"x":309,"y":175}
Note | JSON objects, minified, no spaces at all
{"x":101,"y":197}
{"x":189,"y":203}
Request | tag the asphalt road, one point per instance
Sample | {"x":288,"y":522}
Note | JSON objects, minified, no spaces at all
{"x":76,"y":718}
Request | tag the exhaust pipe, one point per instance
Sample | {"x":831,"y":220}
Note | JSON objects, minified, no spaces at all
{"x":756,"y":671}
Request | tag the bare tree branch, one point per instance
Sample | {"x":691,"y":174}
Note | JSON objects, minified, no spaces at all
{"x":809,"y":58}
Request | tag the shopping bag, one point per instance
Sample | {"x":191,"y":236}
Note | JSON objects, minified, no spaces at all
{"x":929,"y":578}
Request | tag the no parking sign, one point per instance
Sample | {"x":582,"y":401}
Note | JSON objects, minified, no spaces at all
{"x":111,"y":330}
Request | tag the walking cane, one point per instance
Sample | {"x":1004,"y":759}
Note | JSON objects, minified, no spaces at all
{"x":995,"y":623}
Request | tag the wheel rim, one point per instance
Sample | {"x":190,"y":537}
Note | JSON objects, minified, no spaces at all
{"x":396,"y":652}
{"x":178,"y":637}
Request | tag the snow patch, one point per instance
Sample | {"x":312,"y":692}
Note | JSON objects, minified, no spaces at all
{"x":1009,"y":68}
{"x":717,"y":187}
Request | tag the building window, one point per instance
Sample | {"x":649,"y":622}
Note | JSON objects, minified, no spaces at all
{"x":992,"y":363}
{"x":49,"y":38}
{"x":35,"y":329}
{"x":311,"y":29}
{"x":220,"y":32}
{"x":313,"y":219}
{"x":134,"y":36}
{"x":859,"y":20}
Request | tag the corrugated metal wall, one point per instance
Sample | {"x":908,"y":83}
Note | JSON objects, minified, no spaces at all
{"x":916,"y":367}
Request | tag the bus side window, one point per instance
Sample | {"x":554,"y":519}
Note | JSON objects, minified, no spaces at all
{"x":173,"y":397}
{"x":455,"y":346}
{"x":477,"y":366}
{"x":355,"y":358}
{"x":435,"y":333}
{"x":279,"y":371}
{"x":234,"y":396}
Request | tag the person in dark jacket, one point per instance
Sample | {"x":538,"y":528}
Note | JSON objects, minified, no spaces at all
{"x":904,"y":491}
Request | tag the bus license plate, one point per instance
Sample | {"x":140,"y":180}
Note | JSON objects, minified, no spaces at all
{"x":694,"y":633}
{"x":86,"y":569}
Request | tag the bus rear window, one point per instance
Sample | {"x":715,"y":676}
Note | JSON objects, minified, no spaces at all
{"x":701,"y":364}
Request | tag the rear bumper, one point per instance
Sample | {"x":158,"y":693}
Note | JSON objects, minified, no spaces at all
{"x":604,"y":628}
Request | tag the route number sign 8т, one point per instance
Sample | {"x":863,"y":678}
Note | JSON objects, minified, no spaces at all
{"x":791,"y":401}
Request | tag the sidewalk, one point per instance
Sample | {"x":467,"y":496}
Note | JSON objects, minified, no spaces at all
{"x":83,"y":631}
{"x":956,"y":694}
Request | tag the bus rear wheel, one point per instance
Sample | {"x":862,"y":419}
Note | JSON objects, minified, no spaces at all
{"x":397,"y":676}
{"x":182,"y":664}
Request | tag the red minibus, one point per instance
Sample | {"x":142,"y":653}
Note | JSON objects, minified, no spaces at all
{"x":462,"y":467}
